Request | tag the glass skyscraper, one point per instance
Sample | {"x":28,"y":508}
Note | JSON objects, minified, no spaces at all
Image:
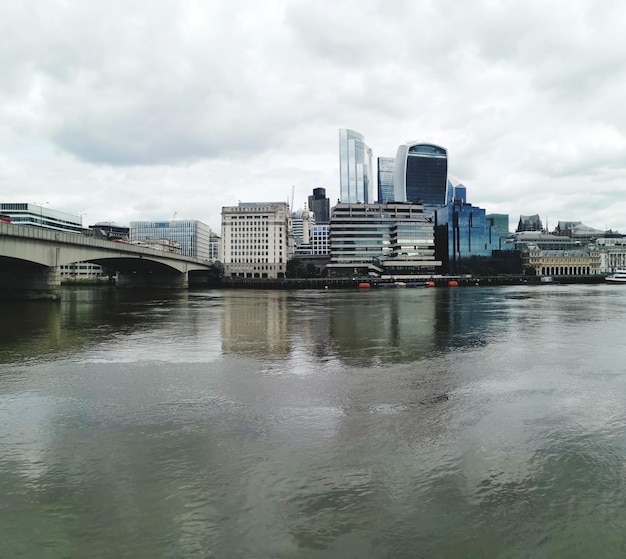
{"x":421,"y":175}
{"x":355,"y":168}
{"x":464,"y":235}
{"x":386,"y":166}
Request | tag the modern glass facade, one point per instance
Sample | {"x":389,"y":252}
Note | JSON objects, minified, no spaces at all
{"x":355,"y":168}
{"x":386,"y":166}
{"x":373,"y":237}
{"x":320,"y":205}
{"x":463,"y":234}
{"x":35,"y":215}
{"x":421,"y":175}
{"x":459,"y":192}
{"x":194,"y":237}
{"x":500,"y":223}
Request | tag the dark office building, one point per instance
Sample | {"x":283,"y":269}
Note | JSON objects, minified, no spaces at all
{"x":465,"y":239}
{"x":320,"y":205}
{"x":421,"y":175}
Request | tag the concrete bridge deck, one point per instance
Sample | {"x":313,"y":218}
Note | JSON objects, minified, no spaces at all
{"x":30,"y":259}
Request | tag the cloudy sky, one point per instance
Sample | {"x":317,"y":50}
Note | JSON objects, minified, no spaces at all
{"x":127,"y":110}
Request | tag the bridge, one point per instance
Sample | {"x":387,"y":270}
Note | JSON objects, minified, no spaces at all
{"x":30,"y":258}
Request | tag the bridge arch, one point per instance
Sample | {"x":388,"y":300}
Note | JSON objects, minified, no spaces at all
{"x":37,"y":255}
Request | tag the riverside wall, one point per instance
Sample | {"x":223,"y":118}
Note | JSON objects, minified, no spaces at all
{"x":439,"y":281}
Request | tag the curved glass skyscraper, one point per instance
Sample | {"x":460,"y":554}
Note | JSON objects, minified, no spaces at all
{"x":421,"y":174}
{"x":355,"y":168}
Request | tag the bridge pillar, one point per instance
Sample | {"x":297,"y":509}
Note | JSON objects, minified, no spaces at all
{"x":28,"y":283}
{"x":151,"y":280}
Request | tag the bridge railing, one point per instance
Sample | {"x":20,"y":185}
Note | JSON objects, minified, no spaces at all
{"x":48,"y":235}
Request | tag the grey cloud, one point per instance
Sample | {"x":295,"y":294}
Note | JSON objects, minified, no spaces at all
{"x":226,"y":103}
{"x":138,"y":91}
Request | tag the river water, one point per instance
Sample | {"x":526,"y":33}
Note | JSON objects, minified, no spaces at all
{"x":469,"y":422}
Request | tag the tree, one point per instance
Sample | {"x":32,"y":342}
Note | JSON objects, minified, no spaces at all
{"x":296,"y":268}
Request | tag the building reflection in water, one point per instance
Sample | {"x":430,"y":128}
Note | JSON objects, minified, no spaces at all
{"x":358,"y":328}
{"x":364,"y":328}
{"x":256,"y":323}
{"x":384,"y":327}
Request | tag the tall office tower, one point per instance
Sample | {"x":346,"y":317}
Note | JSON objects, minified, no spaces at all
{"x":386,"y":166}
{"x":257,"y":239}
{"x":320,"y":205}
{"x":191,"y":235}
{"x":421,"y":174}
{"x":355,"y":168}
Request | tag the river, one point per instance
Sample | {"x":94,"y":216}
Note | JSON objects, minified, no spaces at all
{"x":469,"y":422}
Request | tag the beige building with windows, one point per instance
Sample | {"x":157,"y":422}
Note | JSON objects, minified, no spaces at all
{"x":612,"y":254}
{"x":574,"y":262}
{"x":257,"y":240}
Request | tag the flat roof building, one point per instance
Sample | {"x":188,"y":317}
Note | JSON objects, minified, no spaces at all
{"x":35,"y":215}
{"x":257,"y":239}
{"x":193,"y":236}
{"x":372,"y":238}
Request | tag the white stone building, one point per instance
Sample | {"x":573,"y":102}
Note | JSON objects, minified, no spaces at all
{"x":257,"y":239}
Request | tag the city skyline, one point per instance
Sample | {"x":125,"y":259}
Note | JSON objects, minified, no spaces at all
{"x":106,"y":115}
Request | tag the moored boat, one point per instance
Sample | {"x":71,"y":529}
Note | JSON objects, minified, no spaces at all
{"x":618,"y":276}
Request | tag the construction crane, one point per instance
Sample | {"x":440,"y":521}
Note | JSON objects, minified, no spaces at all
{"x":293,"y":193}
{"x":174,"y":216}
